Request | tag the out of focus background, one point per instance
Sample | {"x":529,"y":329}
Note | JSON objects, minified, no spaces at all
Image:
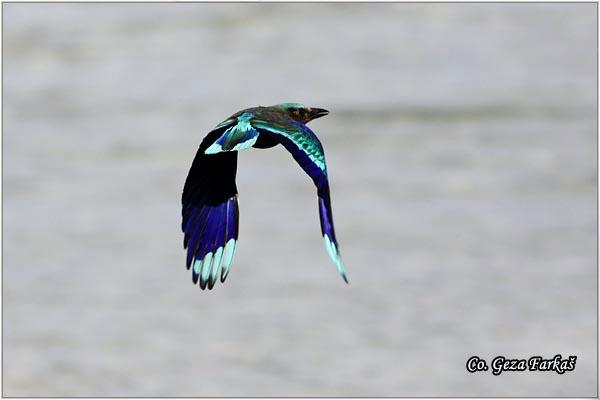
{"x":461,"y":146}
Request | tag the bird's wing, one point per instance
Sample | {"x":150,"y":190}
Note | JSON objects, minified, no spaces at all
{"x":236,"y":134}
{"x":307,"y":150}
{"x":210,"y":212}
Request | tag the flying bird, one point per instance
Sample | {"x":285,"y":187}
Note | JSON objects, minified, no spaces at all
{"x":209,"y":201}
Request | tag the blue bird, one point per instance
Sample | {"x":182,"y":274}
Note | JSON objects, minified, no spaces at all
{"x":209,"y":201}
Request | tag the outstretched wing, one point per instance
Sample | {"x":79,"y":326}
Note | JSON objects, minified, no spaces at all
{"x":210,"y":212}
{"x":307,"y":150}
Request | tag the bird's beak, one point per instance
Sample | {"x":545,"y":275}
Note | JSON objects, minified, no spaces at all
{"x":317,"y":113}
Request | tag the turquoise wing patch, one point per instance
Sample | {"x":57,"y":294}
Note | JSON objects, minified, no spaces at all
{"x":300,"y":137}
{"x":240,"y":136}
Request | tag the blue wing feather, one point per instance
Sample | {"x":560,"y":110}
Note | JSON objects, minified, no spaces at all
{"x":307,"y":150}
{"x":210,"y":211}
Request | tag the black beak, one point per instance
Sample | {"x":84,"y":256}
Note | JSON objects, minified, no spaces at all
{"x":317,"y":113}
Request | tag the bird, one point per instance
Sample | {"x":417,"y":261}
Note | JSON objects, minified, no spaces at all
{"x":210,"y":212}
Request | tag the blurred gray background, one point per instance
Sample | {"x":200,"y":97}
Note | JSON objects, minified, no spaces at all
{"x":462,"y":153}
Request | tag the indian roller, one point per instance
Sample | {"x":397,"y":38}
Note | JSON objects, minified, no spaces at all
{"x":209,"y":201}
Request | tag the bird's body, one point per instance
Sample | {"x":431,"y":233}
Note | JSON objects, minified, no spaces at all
{"x":209,"y":200}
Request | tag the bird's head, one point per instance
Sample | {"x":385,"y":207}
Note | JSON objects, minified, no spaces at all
{"x":301,"y":113}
